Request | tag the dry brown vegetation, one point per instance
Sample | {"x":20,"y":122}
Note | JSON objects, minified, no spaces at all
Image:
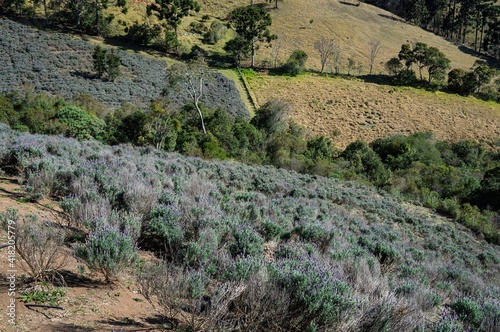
{"x":347,"y":110}
{"x":353,"y":28}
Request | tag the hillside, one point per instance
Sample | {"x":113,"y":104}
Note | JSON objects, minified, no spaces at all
{"x":353,"y":28}
{"x":291,"y":251}
{"x":347,"y":110}
{"x":60,"y":64}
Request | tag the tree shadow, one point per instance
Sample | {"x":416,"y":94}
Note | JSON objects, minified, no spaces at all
{"x":72,"y":279}
{"x":491,"y":61}
{"x":125,"y":323}
{"x":84,"y":74}
{"x":350,"y":3}
{"x":160,"y":320}
{"x":393,"y":18}
{"x":65,"y":327}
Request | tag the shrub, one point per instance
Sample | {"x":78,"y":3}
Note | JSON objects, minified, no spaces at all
{"x":469,"y":311}
{"x":163,"y":230}
{"x":80,"y":124}
{"x":106,"y":63}
{"x":461,"y":82}
{"x":108,"y":251}
{"x":295,"y":64}
{"x":319,"y":296}
{"x":142,"y":34}
{"x":248,"y":241}
{"x":216,"y":33}
{"x":41,"y":247}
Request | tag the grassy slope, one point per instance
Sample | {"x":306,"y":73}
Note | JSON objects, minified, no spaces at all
{"x":353,"y":28}
{"x":346,"y":110}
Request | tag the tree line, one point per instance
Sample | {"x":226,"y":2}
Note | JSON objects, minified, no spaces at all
{"x":474,"y":22}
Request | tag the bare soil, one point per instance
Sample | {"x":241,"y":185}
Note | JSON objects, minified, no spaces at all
{"x":89,"y":303}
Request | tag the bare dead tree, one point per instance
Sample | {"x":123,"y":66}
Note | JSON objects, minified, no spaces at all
{"x":191,"y":79}
{"x":337,"y":60}
{"x":326,"y":49}
{"x":375,"y":48}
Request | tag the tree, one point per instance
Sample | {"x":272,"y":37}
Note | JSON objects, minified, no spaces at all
{"x":113,"y":62}
{"x":394,"y":66}
{"x":173,"y":11}
{"x":436,"y":62}
{"x":406,"y":55}
{"x":275,"y":3}
{"x":295,"y":63}
{"x":351,"y":63}
{"x":99,"y":57}
{"x":88,"y":14}
{"x":375,"y":48}
{"x":190,"y":78}
{"x":461,"y":81}
{"x":251,"y":23}
{"x":106,"y":63}
{"x":420,"y":54}
{"x":239,"y":48}
{"x":326,"y":49}
{"x":337,"y":60}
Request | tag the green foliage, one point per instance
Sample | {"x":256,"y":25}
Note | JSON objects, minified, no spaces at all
{"x":461,"y":82}
{"x":321,"y":296}
{"x":8,"y":114}
{"x":385,"y":253}
{"x":423,"y":57}
{"x":172,"y":11}
{"x":239,"y":48}
{"x":106,"y":63}
{"x":41,"y":296}
{"x":487,"y":195}
{"x":99,"y":57}
{"x":80,"y":124}
{"x":271,"y":117}
{"x":216,"y":33}
{"x":251,"y":23}
{"x":248,"y":241}
{"x":164,"y":230}
{"x":295,"y":64}
{"x":142,"y":34}
{"x":364,"y":161}
{"x":394,"y":66}
{"x":469,"y":311}
{"x":108,"y":251}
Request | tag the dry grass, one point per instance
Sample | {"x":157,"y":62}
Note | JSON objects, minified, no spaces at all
{"x":353,"y":28}
{"x":346,"y":110}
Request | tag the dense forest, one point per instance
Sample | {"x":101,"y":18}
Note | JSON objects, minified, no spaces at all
{"x":470,"y":22}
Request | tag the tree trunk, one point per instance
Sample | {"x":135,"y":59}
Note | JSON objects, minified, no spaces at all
{"x":253,"y":53}
{"x":45,"y":11}
{"x":196,"y":100}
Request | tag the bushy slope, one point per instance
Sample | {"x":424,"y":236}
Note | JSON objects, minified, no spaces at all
{"x":62,"y":65}
{"x":346,"y":256}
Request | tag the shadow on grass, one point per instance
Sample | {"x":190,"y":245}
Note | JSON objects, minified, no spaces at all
{"x":350,"y":3}
{"x":392,"y":17}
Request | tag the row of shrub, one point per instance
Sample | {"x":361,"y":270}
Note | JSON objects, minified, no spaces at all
{"x":259,"y":246}
{"x":452,"y":178}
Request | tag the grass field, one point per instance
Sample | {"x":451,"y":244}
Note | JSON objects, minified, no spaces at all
{"x":353,"y":28}
{"x":347,"y":110}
